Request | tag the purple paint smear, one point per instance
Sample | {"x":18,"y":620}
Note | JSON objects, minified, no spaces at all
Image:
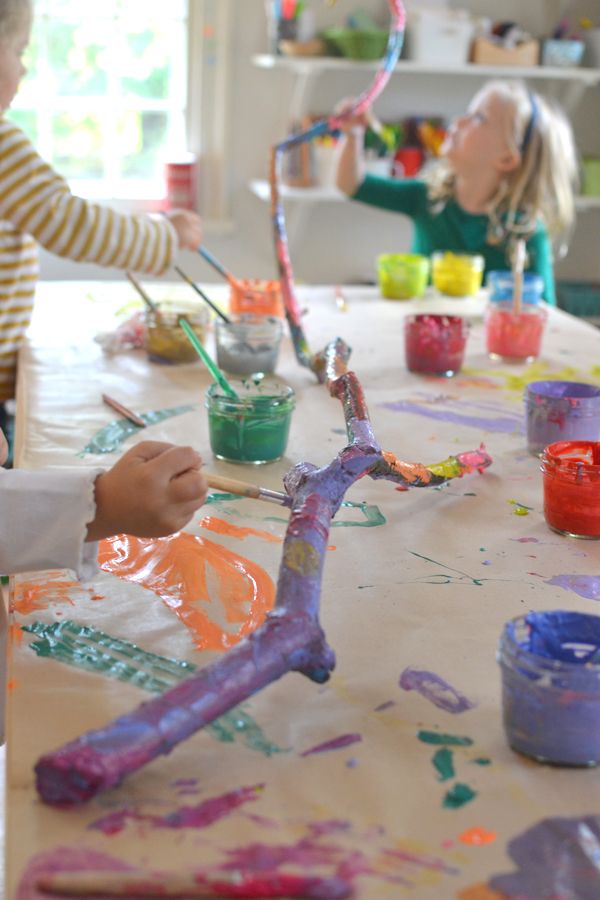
{"x":501,"y":423}
{"x":345,"y":740}
{"x":434,"y":689}
{"x":587,"y":586}
{"x":557,"y":858}
{"x":200,"y":816}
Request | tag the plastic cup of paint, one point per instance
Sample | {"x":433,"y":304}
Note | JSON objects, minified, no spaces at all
{"x":166,"y":341}
{"x":435,"y":344}
{"x":561,"y":411}
{"x":501,"y":286}
{"x":550,"y":669}
{"x":254,"y":296}
{"x":402,"y":275}
{"x":254,"y":427}
{"x":457,"y":274}
{"x":571,"y":471}
{"x":248,"y":344}
{"x":514,"y":336}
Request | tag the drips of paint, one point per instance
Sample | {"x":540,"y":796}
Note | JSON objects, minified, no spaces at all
{"x":587,"y":586}
{"x":110,"y":438}
{"x":220,"y":526}
{"x":448,"y":579}
{"x":434,"y":689}
{"x":458,"y":795}
{"x":443,"y":761}
{"x":526,"y":540}
{"x":449,"y":740}
{"x":519,"y":508}
{"x":499,"y":422}
{"x":477,"y":837}
{"x":175,"y":568}
{"x":557,"y":858}
{"x":92,"y":650}
{"x":481,"y":761}
{"x":201,"y":816}
{"x":345,"y":740}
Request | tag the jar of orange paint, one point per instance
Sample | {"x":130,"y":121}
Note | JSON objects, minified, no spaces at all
{"x":253,"y":296}
{"x":571,"y":471}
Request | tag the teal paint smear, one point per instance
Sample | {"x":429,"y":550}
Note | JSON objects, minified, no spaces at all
{"x":110,"y":438}
{"x":221,"y":498}
{"x":443,"y":761}
{"x":451,"y":740}
{"x":95,"y":651}
{"x":373,"y":515}
{"x":448,"y":579}
{"x":458,"y":795}
{"x":481,"y":761}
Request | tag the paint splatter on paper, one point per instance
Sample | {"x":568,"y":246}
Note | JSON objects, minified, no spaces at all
{"x":111,"y":438}
{"x":434,"y":689}
{"x":344,"y":740}
{"x":496,"y":420}
{"x":183,"y":570}
{"x":477,"y":837}
{"x":587,"y":586}
{"x":458,"y":795}
{"x":443,"y":762}
{"x":447,"y":740}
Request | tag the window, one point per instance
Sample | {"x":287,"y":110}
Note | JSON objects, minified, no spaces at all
{"x":113,"y":91}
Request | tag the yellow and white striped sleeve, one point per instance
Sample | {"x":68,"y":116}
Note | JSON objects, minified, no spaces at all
{"x":35,"y":199}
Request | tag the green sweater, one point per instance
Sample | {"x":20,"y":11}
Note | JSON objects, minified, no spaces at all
{"x":452,"y":228}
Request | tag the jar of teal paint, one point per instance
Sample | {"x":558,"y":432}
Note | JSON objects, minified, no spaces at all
{"x":254,"y":427}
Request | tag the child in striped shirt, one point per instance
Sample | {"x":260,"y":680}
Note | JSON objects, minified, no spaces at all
{"x":36,"y":205}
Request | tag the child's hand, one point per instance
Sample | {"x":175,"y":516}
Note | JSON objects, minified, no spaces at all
{"x":188,"y":226}
{"x":153,"y":490}
{"x":346,"y":122}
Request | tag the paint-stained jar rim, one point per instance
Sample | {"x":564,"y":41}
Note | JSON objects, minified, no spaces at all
{"x":574,"y":469}
{"x":582,"y":632}
{"x":270,"y":398}
{"x":579,"y":395}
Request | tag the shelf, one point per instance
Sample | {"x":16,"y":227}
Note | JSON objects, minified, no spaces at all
{"x":260,"y":188}
{"x":313,"y":65}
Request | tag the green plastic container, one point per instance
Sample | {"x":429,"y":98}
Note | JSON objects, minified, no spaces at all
{"x":355,"y":43}
{"x":402,"y":275}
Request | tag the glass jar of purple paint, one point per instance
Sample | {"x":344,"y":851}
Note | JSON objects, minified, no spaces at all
{"x":561,"y":411}
{"x":550,"y":667}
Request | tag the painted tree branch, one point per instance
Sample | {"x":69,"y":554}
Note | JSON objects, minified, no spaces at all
{"x":291,"y":638}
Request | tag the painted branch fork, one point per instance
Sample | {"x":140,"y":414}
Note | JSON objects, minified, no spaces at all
{"x":291,"y":639}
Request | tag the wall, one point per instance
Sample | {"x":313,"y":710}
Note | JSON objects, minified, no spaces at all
{"x":333,"y":242}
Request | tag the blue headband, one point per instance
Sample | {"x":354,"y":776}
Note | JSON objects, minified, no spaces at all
{"x":535,"y":111}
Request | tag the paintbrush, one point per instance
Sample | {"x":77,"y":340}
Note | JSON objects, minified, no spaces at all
{"x":172,"y":884}
{"x":149,"y":303}
{"x":243,"y":489}
{"x":219,"y":267}
{"x":208,"y":362}
{"x":518,"y":266}
{"x":124,"y":410}
{"x":199,"y":291}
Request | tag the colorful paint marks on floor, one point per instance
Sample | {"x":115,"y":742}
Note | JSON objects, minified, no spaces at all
{"x":435,"y":689}
{"x":477,"y":837}
{"x":344,"y":740}
{"x":587,"y":586}
{"x":219,"y":596}
{"x":456,"y":411}
{"x":112,"y":437}
{"x":444,"y":764}
{"x":220,"y":526}
{"x":95,"y":651}
{"x":519,"y":509}
{"x":458,"y":795}
{"x":197,"y":817}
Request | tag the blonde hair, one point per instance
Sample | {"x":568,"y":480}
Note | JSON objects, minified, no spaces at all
{"x":542,"y":186}
{"x":14,"y":14}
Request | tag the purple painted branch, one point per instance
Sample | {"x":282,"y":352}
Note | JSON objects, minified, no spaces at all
{"x":290,"y":640}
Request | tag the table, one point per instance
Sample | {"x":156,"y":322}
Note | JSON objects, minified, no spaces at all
{"x":415,"y":582}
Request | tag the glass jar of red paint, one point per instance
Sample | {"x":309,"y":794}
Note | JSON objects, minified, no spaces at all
{"x":571,"y":471}
{"x":514,"y":336}
{"x":435,"y":344}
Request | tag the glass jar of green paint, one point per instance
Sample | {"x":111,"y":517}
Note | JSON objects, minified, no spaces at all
{"x":254,"y":427}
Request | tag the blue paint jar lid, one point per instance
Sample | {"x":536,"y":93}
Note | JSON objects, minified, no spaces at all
{"x":501,"y":286}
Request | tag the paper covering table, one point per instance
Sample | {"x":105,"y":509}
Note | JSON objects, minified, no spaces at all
{"x":416,"y":582}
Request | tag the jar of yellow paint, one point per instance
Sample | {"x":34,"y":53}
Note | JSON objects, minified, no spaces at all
{"x":166,"y":341}
{"x":457,"y":274}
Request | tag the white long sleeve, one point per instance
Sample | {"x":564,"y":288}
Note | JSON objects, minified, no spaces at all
{"x":43,"y":519}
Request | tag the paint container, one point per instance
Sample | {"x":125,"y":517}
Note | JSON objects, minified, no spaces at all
{"x":253,"y":428}
{"x":166,"y":341}
{"x":252,"y":296}
{"x":571,"y":471}
{"x":434,"y":344}
{"x":501,"y":286}
{"x":180,"y":178}
{"x":248,"y":344}
{"x":402,"y":275}
{"x":561,"y":411}
{"x":514,"y":337}
{"x":457,"y":274}
{"x":550,"y":667}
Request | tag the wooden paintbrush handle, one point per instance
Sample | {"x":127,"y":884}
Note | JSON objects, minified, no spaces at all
{"x":232,"y":486}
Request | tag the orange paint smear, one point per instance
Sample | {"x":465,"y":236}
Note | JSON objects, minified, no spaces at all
{"x":480,"y":892}
{"x":12,"y":684}
{"x":178,"y":569}
{"x":220,"y":526}
{"x":31,"y":596}
{"x":476,"y":837}
{"x":15,"y":635}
